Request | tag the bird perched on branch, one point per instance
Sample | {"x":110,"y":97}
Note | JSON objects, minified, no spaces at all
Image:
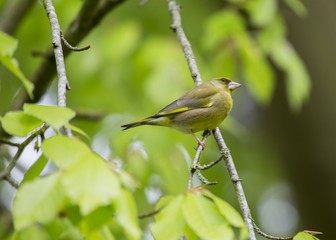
{"x":202,"y":108}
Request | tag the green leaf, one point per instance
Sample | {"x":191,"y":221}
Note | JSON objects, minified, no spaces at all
{"x":230,"y":214}
{"x":221,"y":26}
{"x":304,"y":236}
{"x":52,"y":115}
{"x":127,"y":215}
{"x":203,"y":217}
{"x":270,"y":37}
{"x":164,"y":201}
{"x":97,"y":218}
{"x":39,"y":200}
{"x":32,"y":232}
{"x":297,"y":6}
{"x":64,"y":151}
{"x":76,"y":129}
{"x":19,"y":124}
{"x":12,"y":65}
{"x":298,"y":83}
{"x":257,"y":71}
{"x":8,"y":44}
{"x":262,"y":12}
{"x":61,"y":228}
{"x":169,"y":222}
{"x":90,"y":183}
{"x":35,"y":170}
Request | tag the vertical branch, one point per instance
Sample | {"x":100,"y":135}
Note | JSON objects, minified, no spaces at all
{"x":177,"y":27}
{"x":63,"y":83}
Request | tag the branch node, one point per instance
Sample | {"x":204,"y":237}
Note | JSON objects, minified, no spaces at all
{"x":236,"y":180}
{"x":210,"y":165}
{"x":68,"y":88}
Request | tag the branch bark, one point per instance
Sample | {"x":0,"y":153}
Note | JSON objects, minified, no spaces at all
{"x":63,"y":83}
{"x":177,"y":27}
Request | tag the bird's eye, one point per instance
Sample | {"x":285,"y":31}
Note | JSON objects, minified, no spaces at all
{"x":226,"y":81}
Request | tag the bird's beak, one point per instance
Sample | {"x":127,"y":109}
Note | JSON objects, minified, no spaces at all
{"x":233,"y":85}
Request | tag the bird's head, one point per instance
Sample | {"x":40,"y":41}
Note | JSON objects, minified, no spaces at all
{"x":229,"y":83}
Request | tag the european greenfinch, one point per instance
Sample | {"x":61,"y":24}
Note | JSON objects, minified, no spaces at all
{"x":202,"y":108}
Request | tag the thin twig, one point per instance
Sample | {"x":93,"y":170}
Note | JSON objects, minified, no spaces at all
{"x":75,"y":49}
{"x":149,"y":214}
{"x":265,"y":235}
{"x":6,"y":173}
{"x":177,"y":27}
{"x":197,"y":158}
{"x":203,"y":179}
{"x":210,"y":165}
{"x":6,"y":141}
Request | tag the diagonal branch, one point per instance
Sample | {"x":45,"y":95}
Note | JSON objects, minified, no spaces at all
{"x":230,"y":166}
{"x":14,"y":14}
{"x":177,"y":27}
{"x":197,"y":158}
{"x":6,"y":173}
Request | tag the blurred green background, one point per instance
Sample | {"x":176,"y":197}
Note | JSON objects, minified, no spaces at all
{"x":282,"y":138}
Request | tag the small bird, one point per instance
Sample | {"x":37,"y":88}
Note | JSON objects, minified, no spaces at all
{"x":202,"y":108}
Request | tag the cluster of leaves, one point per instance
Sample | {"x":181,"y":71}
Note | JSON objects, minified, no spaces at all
{"x":243,"y":47}
{"x":90,"y":197}
{"x":7,"y":48}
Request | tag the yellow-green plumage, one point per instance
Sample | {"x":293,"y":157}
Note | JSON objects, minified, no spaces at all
{"x":202,"y":108}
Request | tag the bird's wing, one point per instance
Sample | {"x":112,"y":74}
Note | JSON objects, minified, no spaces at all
{"x":195,"y":98}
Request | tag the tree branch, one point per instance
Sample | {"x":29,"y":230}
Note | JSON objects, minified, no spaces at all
{"x":63,"y":83}
{"x":197,"y":158}
{"x":6,"y":173}
{"x":177,"y":27}
{"x":14,"y":15}
{"x":236,"y":182}
{"x":89,"y":16}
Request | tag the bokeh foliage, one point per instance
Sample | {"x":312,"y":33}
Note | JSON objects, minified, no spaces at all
{"x":135,"y":67}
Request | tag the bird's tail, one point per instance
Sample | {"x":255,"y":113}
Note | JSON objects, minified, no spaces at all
{"x":146,"y":121}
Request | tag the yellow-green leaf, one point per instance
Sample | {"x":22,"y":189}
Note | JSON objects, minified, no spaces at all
{"x":52,"y":115}
{"x":19,"y":123}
